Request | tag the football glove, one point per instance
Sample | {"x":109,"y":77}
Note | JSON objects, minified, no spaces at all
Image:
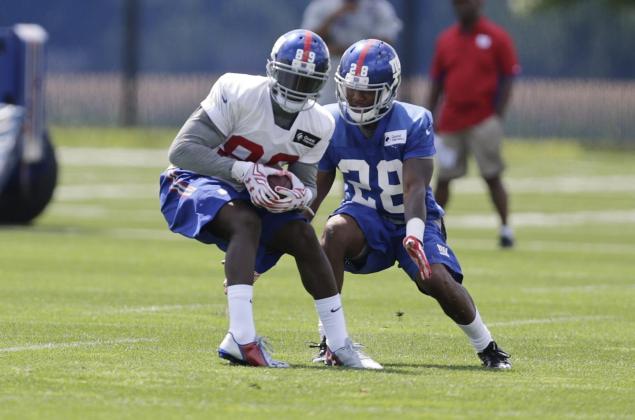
{"x":254,"y":176}
{"x":298,"y":197}
{"x":414,"y":247}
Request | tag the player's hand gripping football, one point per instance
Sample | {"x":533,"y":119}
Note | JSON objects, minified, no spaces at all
{"x":254,"y":176}
{"x":414,"y":247}
{"x":294,"y":198}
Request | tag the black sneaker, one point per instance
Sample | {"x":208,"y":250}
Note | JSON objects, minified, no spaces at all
{"x":506,"y":241}
{"x":321,"y":346}
{"x":495,"y":358}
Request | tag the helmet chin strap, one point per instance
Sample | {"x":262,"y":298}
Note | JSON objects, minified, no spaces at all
{"x":362,"y":117}
{"x":290,"y":105}
{"x":286,"y":104}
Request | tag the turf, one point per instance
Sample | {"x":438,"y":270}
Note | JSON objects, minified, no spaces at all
{"x":106,"y":314}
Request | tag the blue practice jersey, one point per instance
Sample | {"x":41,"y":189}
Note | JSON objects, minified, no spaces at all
{"x":372,"y":168}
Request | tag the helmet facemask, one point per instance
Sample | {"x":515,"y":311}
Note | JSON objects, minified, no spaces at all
{"x":292,"y":88}
{"x":384,"y":95}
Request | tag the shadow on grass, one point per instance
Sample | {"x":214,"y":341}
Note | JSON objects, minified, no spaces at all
{"x":434,"y":366}
{"x":401,"y":368}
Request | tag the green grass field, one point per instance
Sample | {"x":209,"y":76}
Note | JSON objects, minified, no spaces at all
{"x":106,"y":314}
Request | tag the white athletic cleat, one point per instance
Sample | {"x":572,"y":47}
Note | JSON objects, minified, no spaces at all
{"x":251,"y":354}
{"x":350,"y":356}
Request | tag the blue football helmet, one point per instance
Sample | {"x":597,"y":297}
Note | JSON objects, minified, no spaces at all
{"x":298,"y":69}
{"x":369,"y":66}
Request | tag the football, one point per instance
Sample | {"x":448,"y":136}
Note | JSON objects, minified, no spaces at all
{"x":279,"y":181}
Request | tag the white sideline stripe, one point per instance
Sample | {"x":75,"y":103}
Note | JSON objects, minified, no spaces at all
{"x":125,"y":191}
{"x":84,"y":211}
{"x":98,"y":211}
{"x":106,"y":191}
{"x":89,"y":156}
{"x":555,"y":320}
{"x":561,"y":184}
{"x":472,"y":221}
{"x":51,"y":346}
{"x":489,"y":221}
{"x":157,"y":158}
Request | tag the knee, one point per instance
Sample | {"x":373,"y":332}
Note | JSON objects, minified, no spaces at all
{"x":493,"y":180}
{"x":304,"y":241}
{"x":438,"y":284}
{"x":245,"y":221}
{"x":304,"y":233}
{"x":443,"y":183}
{"x":335,"y":233}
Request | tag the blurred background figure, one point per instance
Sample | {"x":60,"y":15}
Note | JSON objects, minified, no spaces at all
{"x":473,"y":68}
{"x":342,"y":22}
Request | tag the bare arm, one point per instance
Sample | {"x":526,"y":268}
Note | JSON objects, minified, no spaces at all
{"x":324,"y":183}
{"x":417,"y":174}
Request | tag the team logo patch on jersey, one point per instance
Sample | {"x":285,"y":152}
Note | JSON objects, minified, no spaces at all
{"x":305,"y":139}
{"x":392,"y":138}
{"x":483,"y":41}
{"x":443,"y":250}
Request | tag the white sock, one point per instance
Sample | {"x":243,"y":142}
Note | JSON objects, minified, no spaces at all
{"x":506,"y":231}
{"x":477,"y":332}
{"x":331,"y":316}
{"x":241,"y":314}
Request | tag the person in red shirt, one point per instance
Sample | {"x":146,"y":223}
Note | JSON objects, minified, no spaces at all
{"x":472,"y":71}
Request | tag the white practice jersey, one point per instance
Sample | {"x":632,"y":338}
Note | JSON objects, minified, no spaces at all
{"x":240,"y":107}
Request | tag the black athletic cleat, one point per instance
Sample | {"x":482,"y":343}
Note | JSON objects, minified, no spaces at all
{"x":494,"y":357}
{"x":506,"y":241}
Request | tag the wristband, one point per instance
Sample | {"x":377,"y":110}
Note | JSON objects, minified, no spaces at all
{"x":308,"y":196}
{"x":416,"y":227}
{"x":240,"y":170}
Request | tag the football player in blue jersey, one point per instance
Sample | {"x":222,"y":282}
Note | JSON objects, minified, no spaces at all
{"x":384,"y":150}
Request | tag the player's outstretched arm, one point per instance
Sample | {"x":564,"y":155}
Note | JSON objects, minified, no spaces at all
{"x":417,"y":174}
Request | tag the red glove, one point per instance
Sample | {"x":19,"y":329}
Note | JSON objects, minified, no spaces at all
{"x":414,"y":247}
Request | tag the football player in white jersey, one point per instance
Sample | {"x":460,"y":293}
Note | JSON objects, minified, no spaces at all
{"x":218,"y":192}
{"x":384,"y":150}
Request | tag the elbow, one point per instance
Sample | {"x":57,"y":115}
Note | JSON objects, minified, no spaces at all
{"x":174,"y":154}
